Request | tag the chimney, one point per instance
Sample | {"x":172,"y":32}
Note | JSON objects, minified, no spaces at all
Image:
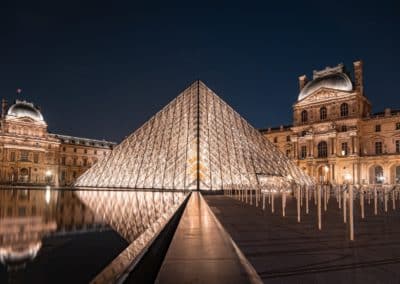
{"x":302,"y":81}
{"x":3,"y":108}
{"x":358,"y":76}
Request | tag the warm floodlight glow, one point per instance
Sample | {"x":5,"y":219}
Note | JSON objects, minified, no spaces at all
{"x":196,"y":142}
{"x":48,"y":173}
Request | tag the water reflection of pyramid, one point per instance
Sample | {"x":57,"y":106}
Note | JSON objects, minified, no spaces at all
{"x":196,"y":142}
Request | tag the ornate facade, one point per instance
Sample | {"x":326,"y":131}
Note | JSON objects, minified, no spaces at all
{"x":335,"y":137}
{"x":29,"y":154}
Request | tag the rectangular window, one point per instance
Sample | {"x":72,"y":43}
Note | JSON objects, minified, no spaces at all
{"x":84,"y":162}
{"x":378,"y":128}
{"x":63,"y":161}
{"x":63,"y":175}
{"x":12,"y":156}
{"x":287,"y":153}
{"x":378,"y":148}
{"x":397,"y":146}
{"x":288,"y":138}
{"x":345,"y":149}
{"x":303,"y":152}
{"x":36,"y":158}
{"x":398,"y":126}
{"x":74,"y":161}
{"x":24,"y":156}
{"x":74,"y":174}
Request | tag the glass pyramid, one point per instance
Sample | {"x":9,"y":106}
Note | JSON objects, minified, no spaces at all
{"x":195,"y":142}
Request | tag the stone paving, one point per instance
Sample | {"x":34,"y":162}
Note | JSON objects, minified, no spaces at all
{"x":284,"y":251}
{"x":202,"y":252}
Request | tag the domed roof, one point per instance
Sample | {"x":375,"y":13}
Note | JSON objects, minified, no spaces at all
{"x":337,"y":81}
{"x":25,"y":109}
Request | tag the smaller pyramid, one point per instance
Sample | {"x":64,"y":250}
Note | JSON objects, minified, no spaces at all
{"x":196,"y":142}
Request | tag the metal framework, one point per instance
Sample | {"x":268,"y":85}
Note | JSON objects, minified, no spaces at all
{"x":196,"y":142}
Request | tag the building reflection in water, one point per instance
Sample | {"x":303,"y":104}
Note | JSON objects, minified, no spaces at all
{"x":29,"y":216}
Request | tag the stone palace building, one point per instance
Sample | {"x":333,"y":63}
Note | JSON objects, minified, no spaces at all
{"x":29,"y":154}
{"x":335,"y":137}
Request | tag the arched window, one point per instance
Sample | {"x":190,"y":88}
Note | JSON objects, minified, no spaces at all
{"x":322,"y":113}
{"x":304,"y":116}
{"x":344,"y":110}
{"x":322,"y":149}
{"x":378,"y":171}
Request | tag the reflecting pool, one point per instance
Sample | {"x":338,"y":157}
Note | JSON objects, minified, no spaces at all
{"x":54,"y":236}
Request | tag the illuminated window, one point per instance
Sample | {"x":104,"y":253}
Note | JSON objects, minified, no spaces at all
{"x":304,"y":116}
{"x":345,"y":149}
{"x":378,"y":174}
{"x":344,"y":110}
{"x":378,"y":148}
{"x":322,"y":149}
{"x":322,"y":113}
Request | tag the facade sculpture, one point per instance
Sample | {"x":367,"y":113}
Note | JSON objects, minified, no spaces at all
{"x":334,"y":137}
{"x":30,"y":155}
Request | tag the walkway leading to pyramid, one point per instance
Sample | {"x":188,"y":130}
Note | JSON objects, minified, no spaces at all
{"x":202,"y":251}
{"x":196,"y":142}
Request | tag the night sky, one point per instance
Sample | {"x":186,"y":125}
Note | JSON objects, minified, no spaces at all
{"x":101,"y":69}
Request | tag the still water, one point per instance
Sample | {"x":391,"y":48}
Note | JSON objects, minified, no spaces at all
{"x":54,"y":236}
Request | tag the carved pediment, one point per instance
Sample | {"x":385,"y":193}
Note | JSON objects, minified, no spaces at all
{"x":323,"y":94}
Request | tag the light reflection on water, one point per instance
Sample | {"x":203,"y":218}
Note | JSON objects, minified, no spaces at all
{"x":27,"y":217}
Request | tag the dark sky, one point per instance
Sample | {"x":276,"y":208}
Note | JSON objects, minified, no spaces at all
{"x":100,"y":69}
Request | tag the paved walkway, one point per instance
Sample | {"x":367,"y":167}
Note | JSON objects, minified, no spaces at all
{"x":284,"y":251}
{"x":202,"y":252}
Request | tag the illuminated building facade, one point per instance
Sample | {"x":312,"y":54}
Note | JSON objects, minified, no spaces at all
{"x":196,"y":142}
{"x":29,"y":154}
{"x":335,"y":137}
